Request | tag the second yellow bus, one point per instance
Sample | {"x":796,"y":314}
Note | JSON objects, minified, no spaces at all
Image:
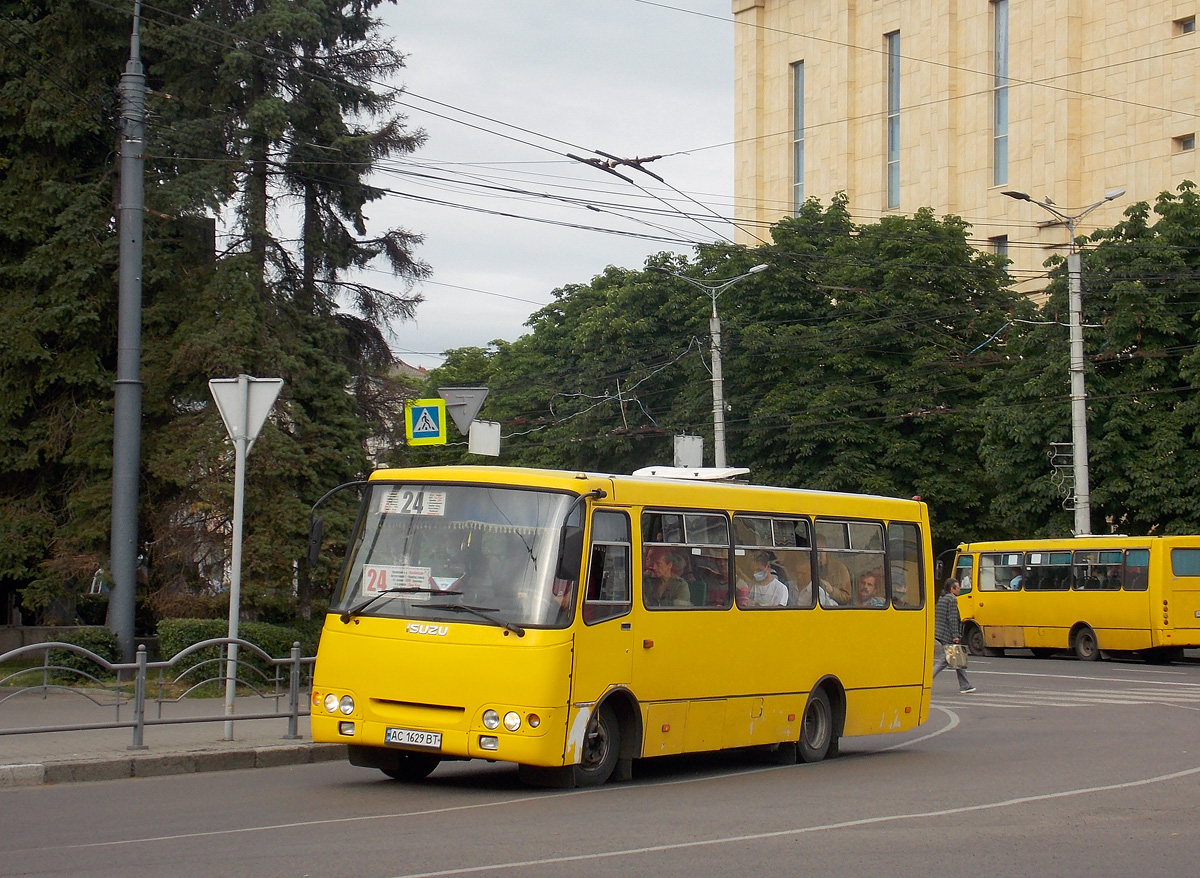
{"x":1088,"y":594}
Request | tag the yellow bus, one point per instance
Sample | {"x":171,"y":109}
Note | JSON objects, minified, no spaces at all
{"x":572,"y":622}
{"x":1087,"y":594}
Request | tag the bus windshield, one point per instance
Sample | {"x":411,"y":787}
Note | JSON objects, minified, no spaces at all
{"x":459,"y":553}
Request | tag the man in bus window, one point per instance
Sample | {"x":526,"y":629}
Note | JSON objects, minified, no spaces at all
{"x":868,"y":591}
{"x":834,"y":572}
{"x":801,"y":590}
{"x":765,"y":588}
{"x":662,"y":585}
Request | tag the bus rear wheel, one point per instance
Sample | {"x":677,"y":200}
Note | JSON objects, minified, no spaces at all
{"x":1085,"y":646}
{"x":816,"y":732}
{"x":601,"y":746}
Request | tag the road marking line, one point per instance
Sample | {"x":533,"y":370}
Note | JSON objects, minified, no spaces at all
{"x":803,"y":830}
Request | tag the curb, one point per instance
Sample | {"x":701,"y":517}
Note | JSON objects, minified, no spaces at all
{"x":159,"y":765}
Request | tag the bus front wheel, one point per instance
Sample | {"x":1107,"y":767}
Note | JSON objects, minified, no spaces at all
{"x":1085,"y":646}
{"x":601,"y":745}
{"x":412,"y":766}
{"x":975,"y":642}
{"x":816,"y":732}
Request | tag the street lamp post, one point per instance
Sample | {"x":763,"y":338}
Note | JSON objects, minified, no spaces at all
{"x":714,"y":289}
{"x":1079,"y":441}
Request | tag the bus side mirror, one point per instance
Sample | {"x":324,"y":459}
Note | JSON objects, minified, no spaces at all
{"x":315,"y":532}
{"x":570,"y":553}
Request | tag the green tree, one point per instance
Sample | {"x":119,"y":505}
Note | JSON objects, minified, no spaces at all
{"x":858,"y":364}
{"x":853,"y":364}
{"x":57,"y":315}
{"x":1141,"y":283}
{"x":244,"y":99}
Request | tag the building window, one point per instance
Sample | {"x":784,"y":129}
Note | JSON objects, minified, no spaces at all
{"x":1184,"y":143}
{"x":892,"y":41}
{"x":999,"y":92}
{"x":1000,"y":247}
{"x":1185,"y":25}
{"x":797,"y":137}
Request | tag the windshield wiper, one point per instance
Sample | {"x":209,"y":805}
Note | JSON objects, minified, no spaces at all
{"x":358,"y":608}
{"x":481,"y":612}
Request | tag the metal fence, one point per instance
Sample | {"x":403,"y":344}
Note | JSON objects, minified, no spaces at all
{"x":126,"y":687}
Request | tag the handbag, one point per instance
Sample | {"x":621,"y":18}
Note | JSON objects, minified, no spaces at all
{"x":956,"y":655}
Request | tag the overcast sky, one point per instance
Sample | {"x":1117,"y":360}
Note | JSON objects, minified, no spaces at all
{"x":505,"y":89}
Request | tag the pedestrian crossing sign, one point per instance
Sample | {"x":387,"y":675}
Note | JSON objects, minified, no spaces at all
{"x":425,"y":422}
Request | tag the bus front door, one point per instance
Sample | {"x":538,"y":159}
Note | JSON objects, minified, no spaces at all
{"x":604,"y":631}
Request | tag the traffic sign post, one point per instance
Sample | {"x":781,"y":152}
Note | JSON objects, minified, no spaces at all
{"x":244,"y":404}
{"x":425,"y":422}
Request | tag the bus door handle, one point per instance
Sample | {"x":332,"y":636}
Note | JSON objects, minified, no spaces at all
{"x":626,"y":626}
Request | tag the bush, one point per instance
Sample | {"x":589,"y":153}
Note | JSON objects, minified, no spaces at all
{"x":92,"y":609}
{"x":176,"y":635}
{"x":99,"y":640}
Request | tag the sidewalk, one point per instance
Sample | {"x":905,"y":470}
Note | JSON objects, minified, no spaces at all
{"x":175,"y":748}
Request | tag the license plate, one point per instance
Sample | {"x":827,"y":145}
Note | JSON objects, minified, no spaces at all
{"x":413,"y":738}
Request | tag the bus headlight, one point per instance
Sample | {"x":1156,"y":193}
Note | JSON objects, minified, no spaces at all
{"x":491,"y":719}
{"x":331,"y":703}
{"x":346,"y":705}
{"x":512,"y":721}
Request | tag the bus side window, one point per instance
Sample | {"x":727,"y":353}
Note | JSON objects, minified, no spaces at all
{"x":1137,"y":563}
{"x":608,"y":594}
{"x":904,"y":565}
{"x":962,"y":572}
{"x":988,"y":565}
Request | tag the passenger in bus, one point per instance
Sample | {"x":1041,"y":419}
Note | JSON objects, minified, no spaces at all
{"x":562,"y":594}
{"x":869,"y":588}
{"x":662,"y":585}
{"x":834,"y":572}
{"x":765,"y":588}
{"x":800,"y":592}
{"x":712,"y":577}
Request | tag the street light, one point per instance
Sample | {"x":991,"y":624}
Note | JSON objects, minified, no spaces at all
{"x":714,"y":289}
{"x":1079,"y":446}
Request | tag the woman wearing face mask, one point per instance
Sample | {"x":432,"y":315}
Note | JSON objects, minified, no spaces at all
{"x":765,"y":589}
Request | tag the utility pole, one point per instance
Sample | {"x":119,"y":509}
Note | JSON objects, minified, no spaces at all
{"x":714,"y":289}
{"x":1079,"y":437}
{"x":127,"y":403}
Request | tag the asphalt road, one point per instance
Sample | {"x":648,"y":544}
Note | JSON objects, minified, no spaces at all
{"x":1052,"y":767}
